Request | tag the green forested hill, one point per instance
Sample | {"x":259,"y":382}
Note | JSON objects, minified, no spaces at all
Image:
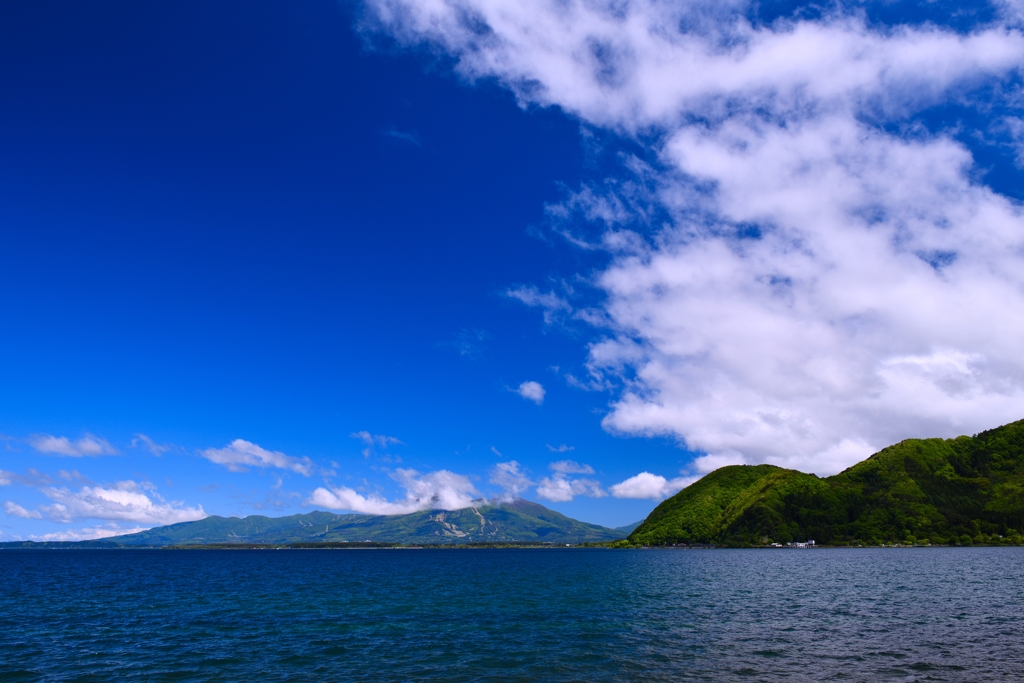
{"x":516,"y":521}
{"x":962,"y":490}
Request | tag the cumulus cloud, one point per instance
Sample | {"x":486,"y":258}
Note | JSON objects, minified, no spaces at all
{"x":88,"y":445}
{"x":440,"y":490}
{"x":531,"y":391}
{"x":560,"y":449}
{"x":124,"y":501}
{"x":801,"y":272}
{"x":6,"y":478}
{"x":511,"y":478}
{"x":15,"y":510}
{"x":240,"y":454}
{"x":561,"y":487}
{"x":650,"y":486}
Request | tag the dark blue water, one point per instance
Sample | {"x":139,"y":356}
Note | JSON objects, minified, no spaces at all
{"x":929,"y":614}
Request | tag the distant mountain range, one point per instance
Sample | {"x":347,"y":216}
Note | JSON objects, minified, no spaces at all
{"x":967,"y":490}
{"x":510,"y":522}
{"x":962,"y":491}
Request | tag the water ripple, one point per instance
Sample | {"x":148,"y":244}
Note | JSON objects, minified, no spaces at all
{"x":930,"y":614}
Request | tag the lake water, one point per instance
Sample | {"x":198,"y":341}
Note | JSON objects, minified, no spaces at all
{"x":927,"y":614}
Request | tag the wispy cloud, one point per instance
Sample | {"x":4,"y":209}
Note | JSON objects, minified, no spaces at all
{"x":380,"y":440}
{"x":148,"y":443}
{"x":553,"y":305}
{"x":6,"y":478}
{"x":240,"y":454}
{"x":440,"y":490}
{"x":88,"y":445}
{"x":72,"y":475}
{"x":15,"y":510}
{"x":31,"y":477}
{"x":469,"y":342}
{"x":408,"y":138}
{"x":377,"y":445}
{"x":560,"y":449}
{"x":531,"y":391}
{"x":570,"y":467}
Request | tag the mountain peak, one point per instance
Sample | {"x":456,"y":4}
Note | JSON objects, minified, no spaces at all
{"x":517,"y":520}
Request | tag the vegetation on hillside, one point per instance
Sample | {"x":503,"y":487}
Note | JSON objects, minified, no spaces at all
{"x":515,"y":522}
{"x":967,"y":490}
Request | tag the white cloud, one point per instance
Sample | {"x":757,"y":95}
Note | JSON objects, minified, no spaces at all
{"x":511,"y":478}
{"x":820,"y":282}
{"x":32,"y":477}
{"x":440,"y":490}
{"x":651,"y":486}
{"x":561,"y":488}
{"x":6,"y":478}
{"x":552,"y":304}
{"x":124,"y":501}
{"x":560,"y":449}
{"x":570,"y":467}
{"x":15,"y":510}
{"x":531,"y":391}
{"x":240,"y":453}
{"x":154,"y":447}
{"x":369,"y":439}
{"x":88,"y":445}
{"x":88,"y":533}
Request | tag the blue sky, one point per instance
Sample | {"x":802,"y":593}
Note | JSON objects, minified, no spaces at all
{"x":265,"y":257}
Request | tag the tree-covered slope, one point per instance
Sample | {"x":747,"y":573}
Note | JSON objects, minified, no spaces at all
{"x":962,"y":490}
{"x":518,"y":520}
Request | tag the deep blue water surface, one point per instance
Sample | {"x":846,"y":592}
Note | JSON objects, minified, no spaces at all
{"x":928,"y":614}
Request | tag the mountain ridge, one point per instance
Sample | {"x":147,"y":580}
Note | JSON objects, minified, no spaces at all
{"x":965,"y":490}
{"x":517,"y":521}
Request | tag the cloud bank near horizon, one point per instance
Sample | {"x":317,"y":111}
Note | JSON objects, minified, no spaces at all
{"x":140,"y":503}
{"x":445,"y":490}
{"x":802,"y":271}
{"x":124,"y":501}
